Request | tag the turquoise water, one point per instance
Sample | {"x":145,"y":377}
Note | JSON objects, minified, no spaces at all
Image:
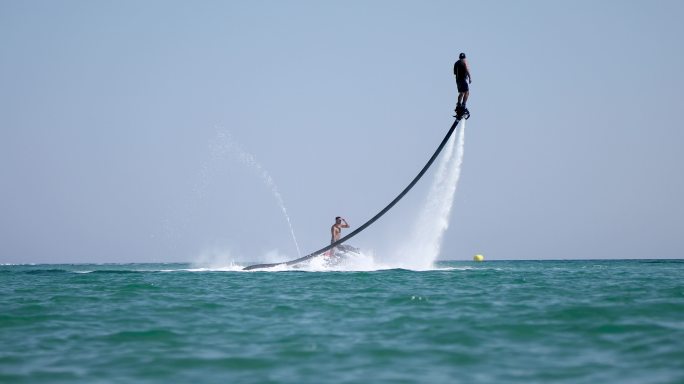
{"x":502,"y":322}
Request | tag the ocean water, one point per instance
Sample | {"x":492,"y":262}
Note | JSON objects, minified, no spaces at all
{"x":592,"y":321}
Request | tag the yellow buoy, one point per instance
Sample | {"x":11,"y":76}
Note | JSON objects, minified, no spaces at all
{"x":478,"y":258}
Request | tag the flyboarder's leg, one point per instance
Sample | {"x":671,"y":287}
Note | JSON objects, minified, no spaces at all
{"x":458,"y":103}
{"x":459,"y":88}
{"x":465,"y":99}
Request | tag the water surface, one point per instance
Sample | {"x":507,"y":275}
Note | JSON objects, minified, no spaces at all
{"x":512,"y":321}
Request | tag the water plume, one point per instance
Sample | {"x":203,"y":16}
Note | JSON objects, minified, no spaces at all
{"x":422,"y":246}
{"x":225,"y":144}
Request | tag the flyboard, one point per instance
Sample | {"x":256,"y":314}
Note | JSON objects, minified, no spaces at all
{"x":460,"y":114}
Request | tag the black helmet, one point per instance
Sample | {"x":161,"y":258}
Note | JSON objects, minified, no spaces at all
{"x":461,"y":56}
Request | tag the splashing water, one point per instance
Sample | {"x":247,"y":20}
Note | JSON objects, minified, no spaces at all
{"x":421,"y":248}
{"x":226,"y":145}
{"x":220,"y":146}
{"x":418,"y":251}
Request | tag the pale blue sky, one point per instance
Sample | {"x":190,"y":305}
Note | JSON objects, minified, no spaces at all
{"x":109,"y":112}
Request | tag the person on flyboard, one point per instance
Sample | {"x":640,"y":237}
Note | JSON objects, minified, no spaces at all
{"x":462,"y":73}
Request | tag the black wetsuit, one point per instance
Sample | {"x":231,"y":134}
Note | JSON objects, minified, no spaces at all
{"x":462,"y":76}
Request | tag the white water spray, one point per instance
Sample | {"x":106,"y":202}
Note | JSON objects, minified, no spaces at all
{"x":421,"y":248}
{"x":225,"y":144}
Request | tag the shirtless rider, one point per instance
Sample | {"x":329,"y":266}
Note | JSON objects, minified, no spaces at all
{"x":336,"y":229}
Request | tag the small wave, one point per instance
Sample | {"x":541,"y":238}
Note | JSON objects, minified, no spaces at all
{"x":229,"y":268}
{"x":112,"y":271}
{"x":44,"y":271}
{"x":16,"y":264}
{"x":143,"y":335}
{"x":118,"y":271}
{"x":663,"y":261}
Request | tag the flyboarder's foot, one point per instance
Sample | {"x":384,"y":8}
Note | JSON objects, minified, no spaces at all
{"x":460,"y":109}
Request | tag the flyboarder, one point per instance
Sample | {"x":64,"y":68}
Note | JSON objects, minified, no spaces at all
{"x":462,"y":73}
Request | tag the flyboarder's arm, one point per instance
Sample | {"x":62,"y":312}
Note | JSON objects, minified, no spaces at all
{"x":470,"y":79}
{"x":345,"y":225}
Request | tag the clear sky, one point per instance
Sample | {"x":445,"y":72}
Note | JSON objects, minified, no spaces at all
{"x":111,"y":114}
